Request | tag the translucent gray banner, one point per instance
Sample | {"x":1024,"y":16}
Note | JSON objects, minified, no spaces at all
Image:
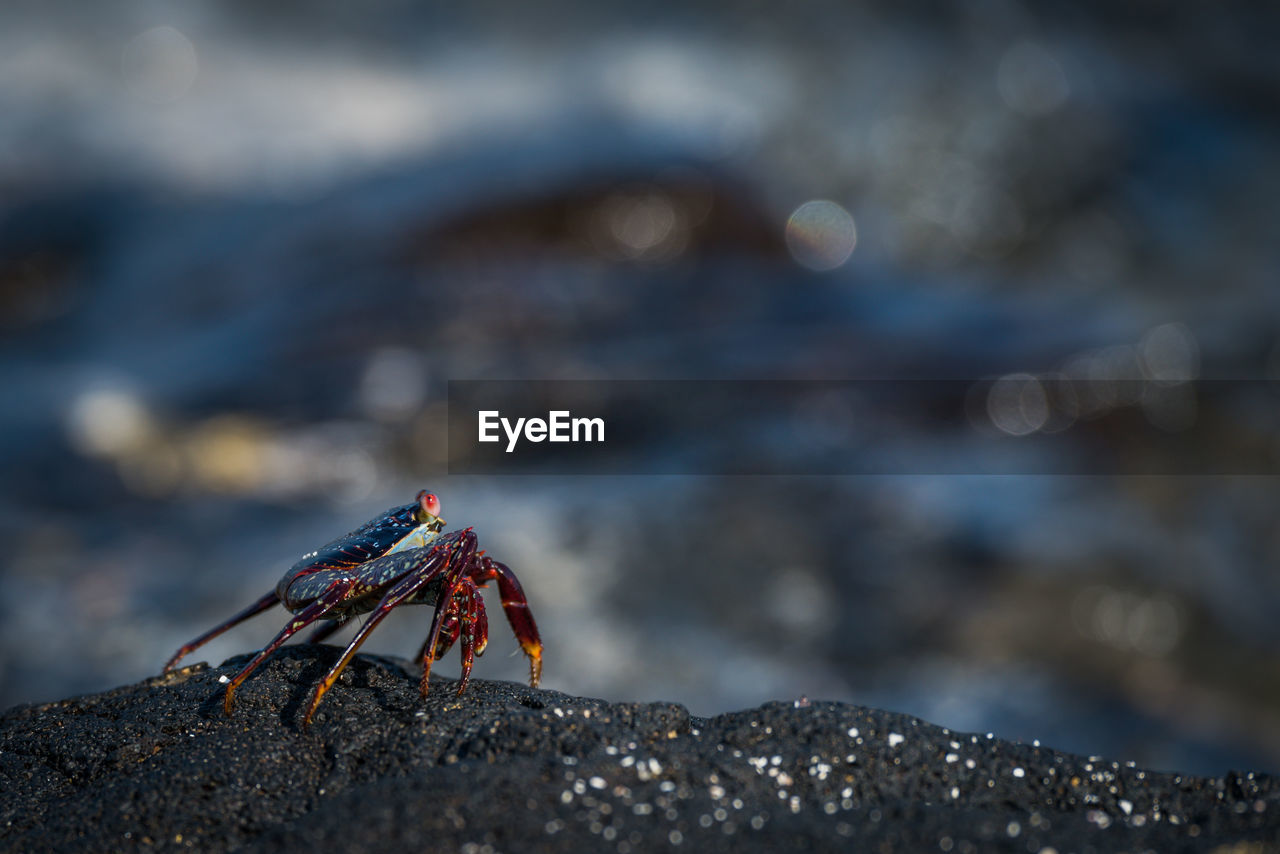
{"x":1016,"y":424}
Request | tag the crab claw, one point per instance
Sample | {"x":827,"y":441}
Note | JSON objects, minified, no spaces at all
{"x":516,"y":608}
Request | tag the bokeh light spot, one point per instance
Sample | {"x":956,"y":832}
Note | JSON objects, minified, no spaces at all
{"x":1148,"y":624}
{"x":641,"y":224}
{"x":801,"y":604}
{"x":821,"y":235}
{"x":1169,"y":354}
{"x":1017,"y":404}
{"x":159,"y":65}
{"x":394,"y":384}
{"x":1031,"y":81}
{"x":108,"y":422}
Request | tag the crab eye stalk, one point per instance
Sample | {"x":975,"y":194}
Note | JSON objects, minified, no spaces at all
{"x":428,"y":503}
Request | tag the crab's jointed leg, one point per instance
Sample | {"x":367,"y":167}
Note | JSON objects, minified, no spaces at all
{"x":452,"y":625}
{"x":454,"y":576}
{"x":334,"y":595}
{"x":472,"y":614}
{"x":516,"y":607}
{"x":252,"y":611}
{"x":450,"y":631}
{"x":427,"y":570}
{"x":481,"y":622}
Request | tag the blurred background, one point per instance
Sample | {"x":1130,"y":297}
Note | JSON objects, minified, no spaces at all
{"x":243,"y":248}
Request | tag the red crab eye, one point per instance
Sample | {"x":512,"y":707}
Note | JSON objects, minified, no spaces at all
{"x":429,"y":503}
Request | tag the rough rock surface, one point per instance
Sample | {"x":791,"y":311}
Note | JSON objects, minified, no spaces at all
{"x":506,"y":767}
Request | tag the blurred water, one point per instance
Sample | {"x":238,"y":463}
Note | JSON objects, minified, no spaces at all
{"x":242,"y":251}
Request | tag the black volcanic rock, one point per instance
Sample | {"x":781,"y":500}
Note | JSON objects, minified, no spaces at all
{"x":510,"y":768}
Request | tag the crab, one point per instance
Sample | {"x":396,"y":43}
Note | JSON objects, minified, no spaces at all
{"x":400,"y":557}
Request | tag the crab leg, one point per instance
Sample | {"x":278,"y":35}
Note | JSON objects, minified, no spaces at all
{"x":472,"y":614}
{"x":482,"y":625}
{"x":333,"y":596}
{"x":516,"y":607}
{"x":414,"y":580}
{"x":454,"y":576}
{"x":449,"y":634}
{"x":253,"y":610}
{"x":452,"y":625}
